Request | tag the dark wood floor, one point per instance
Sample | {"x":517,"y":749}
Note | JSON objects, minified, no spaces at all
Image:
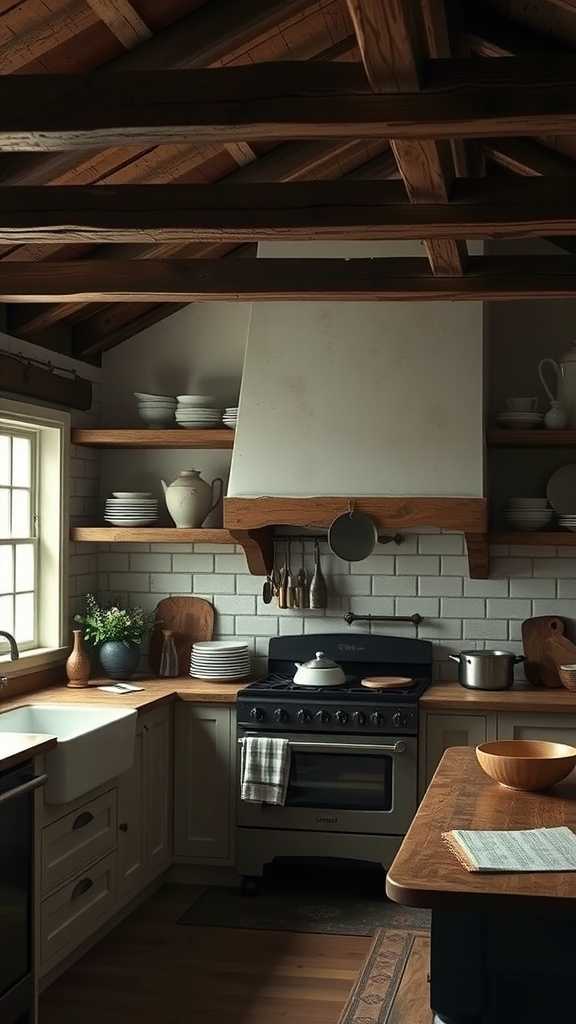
{"x":150,"y":970}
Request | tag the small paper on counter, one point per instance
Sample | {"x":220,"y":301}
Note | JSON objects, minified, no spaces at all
{"x":535,"y":849}
{"x":121,"y":688}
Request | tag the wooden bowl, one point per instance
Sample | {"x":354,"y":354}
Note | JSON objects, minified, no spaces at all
{"x":529,"y":765}
{"x":567,"y":675}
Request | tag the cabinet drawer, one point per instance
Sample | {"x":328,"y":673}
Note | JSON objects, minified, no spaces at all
{"x":69,"y":916}
{"x":77,"y":840}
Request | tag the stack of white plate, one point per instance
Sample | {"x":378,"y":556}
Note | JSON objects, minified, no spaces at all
{"x":230,"y":416}
{"x":156,"y":410}
{"x":528,"y":513}
{"x":568,"y":522}
{"x":197,"y":411}
{"x":520,"y":420}
{"x":131,"y":508}
{"x":224,"y":660}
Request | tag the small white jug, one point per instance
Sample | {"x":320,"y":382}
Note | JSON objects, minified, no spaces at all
{"x":189,"y":499}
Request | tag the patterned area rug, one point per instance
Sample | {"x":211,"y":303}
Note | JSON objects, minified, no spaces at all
{"x":373,"y":998}
{"x":282,"y":907}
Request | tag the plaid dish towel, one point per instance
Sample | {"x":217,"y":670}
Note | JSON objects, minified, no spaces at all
{"x":265,"y":769}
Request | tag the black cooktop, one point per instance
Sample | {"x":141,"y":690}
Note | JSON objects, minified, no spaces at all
{"x":275,"y":687}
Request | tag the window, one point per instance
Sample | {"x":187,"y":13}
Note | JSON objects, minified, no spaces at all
{"x":19,"y":535}
{"x":33,"y":544}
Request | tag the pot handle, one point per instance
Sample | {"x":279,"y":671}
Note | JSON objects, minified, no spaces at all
{"x":455,"y":657}
{"x":215,"y":501}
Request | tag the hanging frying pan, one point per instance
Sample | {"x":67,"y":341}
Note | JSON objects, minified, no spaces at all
{"x":353,"y":536}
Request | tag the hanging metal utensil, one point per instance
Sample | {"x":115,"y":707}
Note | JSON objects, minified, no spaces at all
{"x":282,"y":586}
{"x":302,"y":593}
{"x":318,"y":590}
{"x":290,"y":583}
{"x":353,"y":535}
{"x":268,"y":588}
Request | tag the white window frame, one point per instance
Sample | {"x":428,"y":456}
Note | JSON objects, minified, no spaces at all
{"x":32,"y":534}
{"x":51,"y":428}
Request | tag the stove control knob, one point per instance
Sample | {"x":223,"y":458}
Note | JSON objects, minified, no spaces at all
{"x":377,"y":718}
{"x":323,"y":717}
{"x":359,"y":718}
{"x":398,"y":719}
{"x":280,"y":715}
{"x":341,"y":717}
{"x":257,"y":715}
{"x":304,"y":716}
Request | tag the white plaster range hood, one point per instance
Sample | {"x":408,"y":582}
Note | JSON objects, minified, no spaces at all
{"x":378,"y":402}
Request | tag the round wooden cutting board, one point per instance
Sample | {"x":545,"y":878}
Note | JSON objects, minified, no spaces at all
{"x":387,"y":682}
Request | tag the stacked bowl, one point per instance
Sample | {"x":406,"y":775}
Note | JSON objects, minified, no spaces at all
{"x":520,"y":420}
{"x":131,"y":508}
{"x":156,"y":410}
{"x":230,"y":416}
{"x":197,"y":411}
{"x":220,"y":660}
{"x":528,"y":513}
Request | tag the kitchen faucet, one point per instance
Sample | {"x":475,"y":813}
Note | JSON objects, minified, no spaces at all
{"x":14,"y":655}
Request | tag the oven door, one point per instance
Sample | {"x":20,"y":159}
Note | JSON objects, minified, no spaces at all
{"x":362,"y":784}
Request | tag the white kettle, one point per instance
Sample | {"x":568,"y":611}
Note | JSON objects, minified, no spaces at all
{"x":565,"y":372}
{"x":189,"y":499}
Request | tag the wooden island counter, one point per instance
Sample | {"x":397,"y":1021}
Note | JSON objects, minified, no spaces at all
{"x":503,"y":945}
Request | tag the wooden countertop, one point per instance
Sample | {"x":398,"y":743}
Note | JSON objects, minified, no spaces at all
{"x":20,"y":746}
{"x":522,"y":697}
{"x":426,"y":874}
{"x":16,"y":747}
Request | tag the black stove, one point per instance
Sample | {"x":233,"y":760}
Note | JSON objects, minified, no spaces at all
{"x":277,"y":702}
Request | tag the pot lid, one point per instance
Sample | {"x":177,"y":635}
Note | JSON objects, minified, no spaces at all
{"x":320,"y":661}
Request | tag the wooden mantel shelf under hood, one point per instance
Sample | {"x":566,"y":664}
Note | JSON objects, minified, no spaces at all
{"x":468,"y":515}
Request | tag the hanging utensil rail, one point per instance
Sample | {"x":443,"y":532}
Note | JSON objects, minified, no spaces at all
{"x":415,"y":619}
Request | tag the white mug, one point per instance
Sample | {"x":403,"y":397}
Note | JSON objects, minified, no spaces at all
{"x":522,"y":404}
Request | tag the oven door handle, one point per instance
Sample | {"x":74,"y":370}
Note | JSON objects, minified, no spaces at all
{"x":377,"y":748}
{"x":26,"y":787}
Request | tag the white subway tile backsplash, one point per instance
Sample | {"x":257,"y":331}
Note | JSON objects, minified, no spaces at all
{"x":113,"y":562}
{"x":485,"y":588}
{"x":555,"y":607}
{"x":506,"y":567}
{"x":333,"y":626}
{"x":377,"y":565}
{"x":439,"y":586}
{"x":566,"y":588}
{"x":171,"y":548}
{"x":463,"y":607}
{"x":212,"y":549}
{"x":249,"y":584}
{"x":171,"y":582}
{"x":533,"y":587}
{"x":223,"y":623}
{"x":213,"y":584}
{"x":441,"y":629}
{"x":235,"y":604}
{"x":372,"y":605}
{"x":441,"y":544}
{"x":256,"y":625}
{"x":349,"y":585}
{"x":419,"y":565}
{"x":454,"y":565}
{"x":230,"y":563}
{"x":151,"y":563}
{"x":508,"y":608}
{"x":129,"y":581}
{"x":192,"y":563}
{"x":394,"y":585}
{"x":488,"y":629}
{"x":292,"y":626}
{"x":555,"y":567}
{"x":428,"y":607}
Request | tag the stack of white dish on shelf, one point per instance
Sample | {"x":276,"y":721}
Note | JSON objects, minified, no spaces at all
{"x":561,"y":491}
{"x":519,"y":420}
{"x":197,"y":412}
{"x":156,"y":410}
{"x":220,"y":660}
{"x":131,"y":508}
{"x":528,"y":513}
{"x":230,"y":416}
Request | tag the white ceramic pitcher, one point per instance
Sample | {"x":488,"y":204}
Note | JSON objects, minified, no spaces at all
{"x":565,"y":371}
{"x":189,"y":499}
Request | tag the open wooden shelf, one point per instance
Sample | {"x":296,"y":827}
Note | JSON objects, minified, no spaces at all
{"x":531,"y":438}
{"x":257,"y":544}
{"x":550,"y":538}
{"x":176,"y":437}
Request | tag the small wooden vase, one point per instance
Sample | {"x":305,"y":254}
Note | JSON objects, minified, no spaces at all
{"x":78,"y":663}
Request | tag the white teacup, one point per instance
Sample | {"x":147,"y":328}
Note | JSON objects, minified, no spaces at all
{"x":522,"y":404}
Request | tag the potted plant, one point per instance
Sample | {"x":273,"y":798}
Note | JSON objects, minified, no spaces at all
{"x":117,"y":633}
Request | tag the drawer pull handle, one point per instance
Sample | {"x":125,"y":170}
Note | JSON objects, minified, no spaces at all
{"x":81,"y":887}
{"x":82,"y":820}
{"x":123,"y":827}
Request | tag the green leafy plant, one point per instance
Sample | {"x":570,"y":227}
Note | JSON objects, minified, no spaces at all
{"x":103,"y":624}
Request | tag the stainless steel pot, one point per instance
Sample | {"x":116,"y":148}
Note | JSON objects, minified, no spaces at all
{"x":486,"y":670}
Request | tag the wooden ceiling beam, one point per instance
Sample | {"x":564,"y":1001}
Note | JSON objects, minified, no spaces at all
{"x":529,"y":158}
{"x":254,"y":280}
{"x":123,"y":20}
{"x":392,"y":47}
{"x":313,"y":210}
{"x":462,"y":98}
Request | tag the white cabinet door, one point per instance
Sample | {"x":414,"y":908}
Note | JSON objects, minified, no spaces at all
{"x":532,"y":726}
{"x":204,"y":780}
{"x":445,"y":730}
{"x":131,"y":831}
{"x":158,"y":776}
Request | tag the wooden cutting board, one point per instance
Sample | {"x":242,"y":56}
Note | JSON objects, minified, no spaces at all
{"x":190,"y":618}
{"x":540,"y":670}
{"x":559,"y":651}
{"x":387,"y":682}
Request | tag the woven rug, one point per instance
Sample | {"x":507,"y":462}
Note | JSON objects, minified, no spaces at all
{"x":283,"y":907}
{"x":371,"y":1000}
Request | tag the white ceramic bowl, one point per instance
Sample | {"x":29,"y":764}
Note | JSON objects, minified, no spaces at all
{"x":142,"y":397}
{"x":196,"y":400}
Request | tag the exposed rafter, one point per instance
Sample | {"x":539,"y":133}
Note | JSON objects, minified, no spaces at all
{"x":252,"y":280}
{"x":123,"y":20}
